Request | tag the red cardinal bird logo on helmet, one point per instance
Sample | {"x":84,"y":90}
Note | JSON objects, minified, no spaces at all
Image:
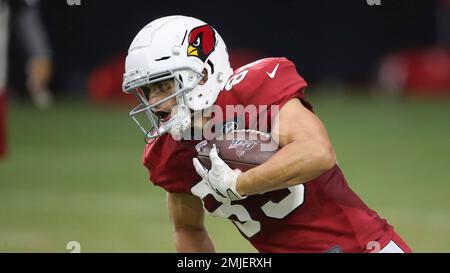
{"x":202,"y":41}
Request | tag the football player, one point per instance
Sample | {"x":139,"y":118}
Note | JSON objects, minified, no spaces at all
{"x":25,"y":20}
{"x":297,"y":201}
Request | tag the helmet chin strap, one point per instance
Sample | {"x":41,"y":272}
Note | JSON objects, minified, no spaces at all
{"x":175,"y":126}
{"x":180,"y":122}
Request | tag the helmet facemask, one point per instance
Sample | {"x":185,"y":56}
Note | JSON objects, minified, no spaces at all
{"x":148,"y":116}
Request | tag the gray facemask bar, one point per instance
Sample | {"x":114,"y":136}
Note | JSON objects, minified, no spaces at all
{"x":156,"y":130}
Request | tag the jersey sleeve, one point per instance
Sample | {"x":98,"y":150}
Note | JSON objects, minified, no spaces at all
{"x":170,"y":164}
{"x":271,"y":81}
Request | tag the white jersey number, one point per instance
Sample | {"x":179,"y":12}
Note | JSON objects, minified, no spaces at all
{"x":245,"y":223}
{"x":235,"y":79}
{"x":292,"y":201}
{"x":239,"y":75}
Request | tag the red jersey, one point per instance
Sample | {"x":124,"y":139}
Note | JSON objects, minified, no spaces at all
{"x":321,"y":215}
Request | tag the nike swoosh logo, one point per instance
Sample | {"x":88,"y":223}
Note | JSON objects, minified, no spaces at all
{"x":272,"y":74}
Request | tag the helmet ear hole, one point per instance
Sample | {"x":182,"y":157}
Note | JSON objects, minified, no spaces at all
{"x":205,"y":77}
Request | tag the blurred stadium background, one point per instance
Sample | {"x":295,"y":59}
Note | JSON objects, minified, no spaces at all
{"x":379,"y":79}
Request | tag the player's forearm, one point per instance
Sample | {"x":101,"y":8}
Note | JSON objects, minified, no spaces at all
{"x":296,"y":163}
{"x":193,"y":241}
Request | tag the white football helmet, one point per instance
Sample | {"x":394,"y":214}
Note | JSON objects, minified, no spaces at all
{"x":178,"y":48}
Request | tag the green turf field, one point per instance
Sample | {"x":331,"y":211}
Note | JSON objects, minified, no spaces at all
{"x":74,"y":174}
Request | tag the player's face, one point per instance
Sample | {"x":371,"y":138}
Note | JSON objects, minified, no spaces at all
{"x":156,"y":92}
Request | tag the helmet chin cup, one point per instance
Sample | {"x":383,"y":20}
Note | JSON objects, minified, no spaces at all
{"x":174,"y":126}
{"x":182,"y":123}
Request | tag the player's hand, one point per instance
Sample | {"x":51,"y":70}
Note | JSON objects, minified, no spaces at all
{"x":221,"y":178}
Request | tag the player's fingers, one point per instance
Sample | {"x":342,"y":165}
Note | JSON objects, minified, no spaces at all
{"x":214,"y":157}
{"x":199,"y":168}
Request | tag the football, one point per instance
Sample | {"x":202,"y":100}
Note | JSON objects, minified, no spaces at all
{"x":240,"y":149}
